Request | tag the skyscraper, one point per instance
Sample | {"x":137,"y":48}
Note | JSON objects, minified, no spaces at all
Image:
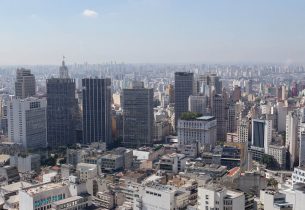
{"x":261,"y":136}
{"x":63,"y":70}
{"x":292,"y":122}
{"x":198,"y":104}
{"x":219,"y":111}
{"x":184,"y":87}
{"x":27,"y":124}
{"x":61,"y":111}
{"x":138,"y":117}
{"x":97,"y":110}
{"x":208,"y":81}
{"x":25,"y":85}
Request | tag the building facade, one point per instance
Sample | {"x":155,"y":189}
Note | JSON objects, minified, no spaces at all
{"x":61,"y":111}
{"x":138,"y":117}
{"x":97,"y":110}
{"x":25,"y":85}
{"x":184,"y":87}
{"x":202,"y":130}
{"x":27,"y":122}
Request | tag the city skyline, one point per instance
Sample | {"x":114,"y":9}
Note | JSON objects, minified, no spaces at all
{"x":147,"y":31}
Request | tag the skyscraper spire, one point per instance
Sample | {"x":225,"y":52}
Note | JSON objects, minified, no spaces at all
{"x":63,"y":70}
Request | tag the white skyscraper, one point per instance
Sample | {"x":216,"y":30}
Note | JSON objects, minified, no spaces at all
{"x":292,"y":136}
{"x":27,"y":122}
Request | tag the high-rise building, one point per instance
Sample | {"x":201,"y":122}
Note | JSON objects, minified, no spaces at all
{"x":97,"y":110}
{"x":243,"y":131}
{"x":198,"y":104}
{"x":25,"y":85}
{"x":292,"y":122}
{"x":61,"y":111}
{"x":208,"y":82}
{"x":219,"y":111}
{"x":138,"y":117}
{"x":27,"y":124}
{"x":231,"y":118}
{"x":184,"y":87}
{"x":261,"y":137}
{"x":63,"y":71}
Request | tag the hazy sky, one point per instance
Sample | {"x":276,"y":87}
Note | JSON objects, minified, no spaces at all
{"x":153,"y":31}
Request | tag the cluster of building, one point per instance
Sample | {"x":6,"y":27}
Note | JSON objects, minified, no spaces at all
{"x":188,"y":141}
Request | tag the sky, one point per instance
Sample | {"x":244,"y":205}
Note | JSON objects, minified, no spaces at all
{"x":152,"y":31}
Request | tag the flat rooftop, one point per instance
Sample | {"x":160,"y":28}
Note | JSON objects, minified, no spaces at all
{"x":45,"y":187}
{"x":67,"y":200}
{"x":16,"y":186}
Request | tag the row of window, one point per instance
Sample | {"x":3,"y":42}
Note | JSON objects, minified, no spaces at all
{"x":152,"y":193}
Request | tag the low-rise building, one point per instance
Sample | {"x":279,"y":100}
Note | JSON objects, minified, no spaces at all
{"x":216,"y":197}
{"x":26,"y":163}
{"x":298,"y":175}
{"x":172,"y":163}
{"x":278,"y":152}
{"x":105,"y":199}
{"x":157,"y":196}
{"x":112,"y":162}
{"x":273,"y":200}
{"x":86,"y":171}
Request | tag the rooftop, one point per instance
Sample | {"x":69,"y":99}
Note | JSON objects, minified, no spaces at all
{"x":67,"y":200}
{"x":161,"y":187}
{"x":16,"y":186}
{"x":44,"y":187}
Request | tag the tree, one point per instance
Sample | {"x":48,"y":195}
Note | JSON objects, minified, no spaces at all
{"x":270,"y":162}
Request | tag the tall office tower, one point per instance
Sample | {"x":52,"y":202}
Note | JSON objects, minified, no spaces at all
{"x":138,"y":116}
{"x":61,"y":111}
{"x":25,"y":85}
{"x":261,"y":136}
{"x":184,"y":87}
{"x":208,"y":81}
{"x":231,"y":118}
{"x":63,"y":71}
{"x":282,"y":111}
{"x":27,"y":123}
{"x":198,"y":104}
{"x":219,"y":111}
{"x":292,"y":136}
{"x":97,"y":110}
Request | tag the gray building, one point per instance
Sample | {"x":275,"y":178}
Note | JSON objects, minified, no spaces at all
{"x":138,"y":117}
{"x":27,"y":122}
{"x":208,"y":80}
{"x":198,"y":104}
{"x":61,"y":111}
{"x":97,"y":111}
{"x":219,"y":111}
{"x":25,"y":85}
{"x":184,"y":87}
